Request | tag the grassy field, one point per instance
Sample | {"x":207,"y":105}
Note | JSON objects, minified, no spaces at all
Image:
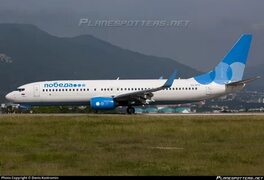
{"x":132,"y":145}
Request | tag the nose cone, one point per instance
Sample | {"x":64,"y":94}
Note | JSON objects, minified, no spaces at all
{"x":9,"y":97}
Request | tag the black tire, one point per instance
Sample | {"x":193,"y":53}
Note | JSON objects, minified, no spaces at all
{"x":130,"y":110}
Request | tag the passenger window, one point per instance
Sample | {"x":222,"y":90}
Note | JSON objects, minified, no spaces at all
{"x":21,"y":89}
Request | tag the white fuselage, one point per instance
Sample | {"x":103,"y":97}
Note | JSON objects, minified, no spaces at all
{"x":224,"y":78}
{"x":80,"y":92}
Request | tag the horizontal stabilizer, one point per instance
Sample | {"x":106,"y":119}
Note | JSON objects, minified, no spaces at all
{"x":243,"y":82}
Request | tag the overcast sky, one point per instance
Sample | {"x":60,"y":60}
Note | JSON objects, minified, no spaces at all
{"x":214,"y":25}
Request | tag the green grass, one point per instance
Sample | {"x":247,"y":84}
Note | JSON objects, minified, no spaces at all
{"x":132,"y":145}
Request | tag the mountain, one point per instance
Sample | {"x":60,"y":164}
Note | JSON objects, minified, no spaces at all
{"x":28,"y":54}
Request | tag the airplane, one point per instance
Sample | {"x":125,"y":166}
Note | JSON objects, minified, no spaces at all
{"x":224,"y":78}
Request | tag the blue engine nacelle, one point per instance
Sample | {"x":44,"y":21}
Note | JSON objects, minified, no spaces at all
{"x":103,"y":103}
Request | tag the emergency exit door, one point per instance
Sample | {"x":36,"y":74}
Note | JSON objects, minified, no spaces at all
{"x":36,"y":90}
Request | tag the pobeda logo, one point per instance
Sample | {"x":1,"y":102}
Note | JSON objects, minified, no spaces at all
{"x":63,"y":85}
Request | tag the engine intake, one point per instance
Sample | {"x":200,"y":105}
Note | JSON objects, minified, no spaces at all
{"x":103,"y":103}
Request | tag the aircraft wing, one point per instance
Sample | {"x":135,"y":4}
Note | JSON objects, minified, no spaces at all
{"x":145,"y":95}
{"x":242,"y":82}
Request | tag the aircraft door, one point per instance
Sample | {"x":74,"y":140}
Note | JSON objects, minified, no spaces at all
{"x":113,"y":91}
{"x":208,"y":90}
{"x":36,"y":90}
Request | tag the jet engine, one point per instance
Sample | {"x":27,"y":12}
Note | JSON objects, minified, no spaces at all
{"x":103,"y":103}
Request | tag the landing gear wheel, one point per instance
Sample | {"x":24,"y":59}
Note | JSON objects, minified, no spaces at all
{"x":130,"y":110}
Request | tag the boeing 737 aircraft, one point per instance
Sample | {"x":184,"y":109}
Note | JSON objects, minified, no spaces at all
{"x":225,"y":78}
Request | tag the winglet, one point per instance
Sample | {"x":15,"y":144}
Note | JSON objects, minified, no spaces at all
{"x":169,"y":82}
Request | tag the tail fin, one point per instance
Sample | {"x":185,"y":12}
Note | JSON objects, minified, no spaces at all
{"x":231,"y":68}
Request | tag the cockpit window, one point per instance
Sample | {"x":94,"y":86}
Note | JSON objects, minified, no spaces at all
{"x":21,"y":89}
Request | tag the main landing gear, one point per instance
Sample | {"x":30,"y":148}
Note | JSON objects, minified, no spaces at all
{"x":130,"y":110}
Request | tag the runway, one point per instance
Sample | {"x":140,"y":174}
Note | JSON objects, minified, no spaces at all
{"x":144,"y":114}
{"x":211,"y":114}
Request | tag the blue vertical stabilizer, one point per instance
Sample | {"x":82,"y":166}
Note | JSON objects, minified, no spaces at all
{"x":231,"y":68}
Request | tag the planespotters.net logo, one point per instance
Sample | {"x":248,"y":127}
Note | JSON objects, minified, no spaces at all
{"x":133,"y":22}
{"x":239,"y":178}
{"x":218,"y":178}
